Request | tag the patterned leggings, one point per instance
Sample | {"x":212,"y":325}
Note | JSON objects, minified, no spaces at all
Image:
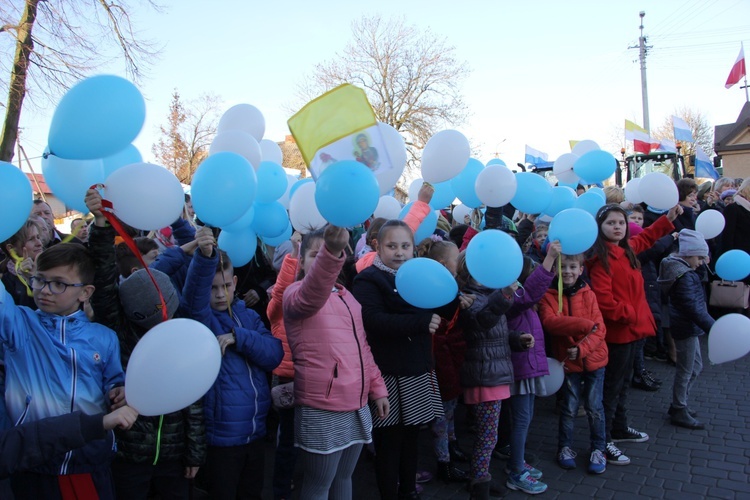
{"x":443,"y":431}
{"x":487,"y":415}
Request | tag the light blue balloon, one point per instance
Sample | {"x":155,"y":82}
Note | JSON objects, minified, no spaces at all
{"x":274,"y":242}
{"x":15,"y":199}
{"x":463,"y":183}
{"x":270,"y":219}
{"x":599,"y":192}
{"x":223,"y":189}
{"x":346,"y":193}
{"x":425,"y":283}
{"x":96,"y":118}
{"x":562,"y":198}
{"x":70,"y":179}
{"x":297,"y":184}
{"x":733,"y":265}
{"x":240,"y":246}
{"x":496,"y":161}
{"x":243,"y":222}
{"x":595,"y":166}
{"x":571,"y":185}
{"x":443,"y":195}
{"x":590,"y":202}
{"x":127,"y":156}
{"x":426,"y":227}
{"x":272,"y":182}
{"x":575,"y":229}
{"x":533,"y":194}
{"x":494,"y":258}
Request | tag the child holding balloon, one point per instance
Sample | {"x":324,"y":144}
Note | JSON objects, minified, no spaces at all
{"x":617,"y":281}
{"x":577,"y":340}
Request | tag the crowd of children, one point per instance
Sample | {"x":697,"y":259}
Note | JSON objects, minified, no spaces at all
{"x":350,"y":361}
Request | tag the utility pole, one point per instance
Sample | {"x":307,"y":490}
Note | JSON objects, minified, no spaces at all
{"x":642,"y":51}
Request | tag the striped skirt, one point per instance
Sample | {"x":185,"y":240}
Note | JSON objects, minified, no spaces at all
{"x":325,"y":432}
{"x":413,"y":400}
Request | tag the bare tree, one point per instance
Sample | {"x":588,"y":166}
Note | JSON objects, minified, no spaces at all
{"x":57,"y":43}
{"x":188,"y":134}
{"x":412,"y":78}
{"x":703,"y":132}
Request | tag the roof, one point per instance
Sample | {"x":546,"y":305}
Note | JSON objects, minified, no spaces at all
{"x":723,"y":134}
{"x":38,"y":178}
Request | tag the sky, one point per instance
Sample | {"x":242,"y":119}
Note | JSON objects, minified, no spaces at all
{"x":541,"y":72}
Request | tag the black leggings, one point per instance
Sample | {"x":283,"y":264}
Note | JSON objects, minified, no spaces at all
{"x":396,"y":449}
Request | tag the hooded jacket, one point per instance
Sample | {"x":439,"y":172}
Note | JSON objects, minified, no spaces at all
{"x":688,"y":313}
{"x":275,"y":314}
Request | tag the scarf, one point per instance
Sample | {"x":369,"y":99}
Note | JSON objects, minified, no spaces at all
{"x":742,"y":202}
{"x":379,"y":264}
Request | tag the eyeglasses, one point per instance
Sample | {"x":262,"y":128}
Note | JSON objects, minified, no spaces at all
{"x":55,"y":287}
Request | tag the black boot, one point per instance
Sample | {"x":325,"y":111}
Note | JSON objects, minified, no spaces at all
{"x":412,"y":495}
{"x":644,"y":383}
{"x":479,"y":489}
{"x":672,"y":410}
{"x":450,"y":473}
{"x":681,"y":418}
{"x":457,"y":454}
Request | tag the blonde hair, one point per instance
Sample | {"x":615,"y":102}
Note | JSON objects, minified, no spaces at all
{"x":744,"y":189}
{"x":614,"y":194}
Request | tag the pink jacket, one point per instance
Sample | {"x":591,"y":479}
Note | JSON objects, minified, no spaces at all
{"x":333,"y":366}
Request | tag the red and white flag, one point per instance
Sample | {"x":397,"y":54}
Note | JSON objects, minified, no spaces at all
{"x":738,"y":70}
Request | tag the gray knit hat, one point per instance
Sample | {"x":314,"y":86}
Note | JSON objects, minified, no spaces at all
{"x":692,"y":243}
{"x":140,"y":300}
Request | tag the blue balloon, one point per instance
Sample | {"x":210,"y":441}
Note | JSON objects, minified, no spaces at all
{"x":575,"y":229}
{"x":425,"y":283}
{"x":494,"y":259}
{"x":426,"y":227}
{"x":533,"y":194}
{"x":346,"y":193}
{"x":127,"y":156}
{"x":240,"y":246}
{"x":272,"y":182}
{"x":443,"y":195}
{"x":733,"y":265}
{"x":270,"y":219}
{"x":15,"y":199}
{"x":96,"y":118}
{"x":595,"y":166}
{"x":70,"y":179}
{"x":496,"y":161}
{"x":590,"y":202}
{"x":223,"y":188}
{"x":297,"y":184}
{"x":562,"y":197}
{"x":274,"y":242}
{"x":243,"y":222}
{"x":599,"y":192}
{"x":463,"y":183}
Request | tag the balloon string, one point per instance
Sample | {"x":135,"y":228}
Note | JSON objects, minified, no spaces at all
{"x":17,"y":259}
{"x":108,"y":213}
{"x":559,"y":285}
{"x":72,"y":235}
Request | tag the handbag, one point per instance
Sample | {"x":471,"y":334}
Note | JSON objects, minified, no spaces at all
{"x":729,"y":294}
{"x":282,"y":396}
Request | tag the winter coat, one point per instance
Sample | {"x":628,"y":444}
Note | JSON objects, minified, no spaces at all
{"x":736,"y":235}
{"x":173,"y":262}
{"x":650,"y":260}
{"x":621,"y":292}
{"x":333,"y":367}
{"x":179,"y":436}
{"x":488,"y":340}
{"x":182,"y":231}
{"x":522,"y":317}
{"x":275,"y":313}
{"x":449,"y":349}
{"x":237,"y":404}
{"x":688,"y":313}
{"x":258,"y":275}
{"x":579,"y":324}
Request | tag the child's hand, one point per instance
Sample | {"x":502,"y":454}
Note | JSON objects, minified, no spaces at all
{"x":123,"y":417}
{"x":554,"y":249}
{"x":251,"y":298}
{"x":434,"y":323}
{"x":117,"y":396}
{"x":573,"y":353}
{"x":205,"y":239}
{"x":425,"y":193}
{"x":93,"y":202}
{"x":191,"y":472}
{"x":27,"y":265}
{"x":383,"y":408}
{"x":296,"y":240}
{"x":674,"y":212}
{"x":465,"y":300}
{"x":527,"y":340}
{"x":336,"y":239}
{"x":225,"y":341}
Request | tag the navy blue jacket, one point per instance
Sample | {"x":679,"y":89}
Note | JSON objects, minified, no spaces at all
{"x":688,"y":313}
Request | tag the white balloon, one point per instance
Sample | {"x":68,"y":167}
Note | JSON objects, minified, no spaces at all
{"x":632,"y":194}
{"x":495,"y":185}
{"x":414,"y":188}
{"x":245,"y":118}
{"x":459,"y":212}
{"x":270,"y":151}
{"x":388,"y":208}
{"x":584,"y":147}
{"x":237,"y":141}
{"x":284,"y":200}
{"x":445,"y":156}
{"x":658,"y":191}
{"x":396,"y":148}
{"x":303,"y":212}
{"x":563,"y":168}
{"x":145,"y":196}
{"x":556,"y":377}
{"x":729,"y":338}
{"x":710,"y":223}
{"x":172,"y":367}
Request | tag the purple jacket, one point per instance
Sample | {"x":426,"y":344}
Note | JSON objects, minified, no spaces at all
{"x":523,"y":317}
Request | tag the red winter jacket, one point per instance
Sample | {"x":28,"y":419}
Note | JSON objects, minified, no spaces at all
{"x":333,"y":366}
{"x":573,"y":327}
{"x":275,"y":314}
{"x":620,"y":292}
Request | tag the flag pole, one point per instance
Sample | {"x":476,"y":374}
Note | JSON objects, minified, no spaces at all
{"x":747,"y":96}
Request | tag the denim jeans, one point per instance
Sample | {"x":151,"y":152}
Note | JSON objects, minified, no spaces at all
{"x":589,"y":385}
{"x":639,"y":364}
{"x":689,"y":366}
{"x":522,"y":411}
{"x":617,"y":379}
